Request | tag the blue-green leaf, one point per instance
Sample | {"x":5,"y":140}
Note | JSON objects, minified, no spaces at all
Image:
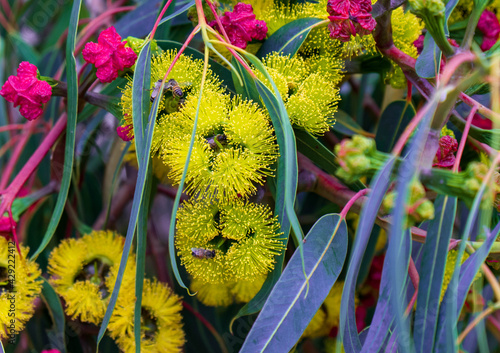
{"x":72,"y":113}
{"x":395,"y":117}
{"x":432,"y":267}
{"x":288,"y":309}
{"x":289,"y":38}
{"x":56,"y":312}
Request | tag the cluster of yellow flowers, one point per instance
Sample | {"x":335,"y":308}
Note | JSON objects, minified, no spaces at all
{"x":221,"y":237}
{"x":83,"y":272}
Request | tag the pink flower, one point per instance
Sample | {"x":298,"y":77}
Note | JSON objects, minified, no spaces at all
{"x":109,"y":55}
{"x":489,"y":25}
{"x":444,"y":155}
{"x":419,"y":43}
{"x":350,"y":18}
{"x":27,"y":91}
{"x":125,"y":132}
{"x":51,"y":351}
{"x":6,"y":226}
{"x":241,"y":25}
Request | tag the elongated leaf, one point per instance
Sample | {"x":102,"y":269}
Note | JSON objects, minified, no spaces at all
{"x":53,"y":304}
{"x":489,"y":136}
{"x":26,"y":51}
{"x":429,"y":61}
{"x":347,"y":126}
{"x":288,"y":310}
{"x":286,"y":176}
{"x":460,"y":282}
{"x":348,"y":328}
{"x":141,"y":100}
{"x":289,"y":38}
{"x":398,"y":256}
{"x":72,"y":112}
{"x":140,"y":187}
{"x":320,"y":155}
{"x":392,"y":123}
{"x":177,"y":12}
{"x":247,"y":88}
{"x":432,"y":268}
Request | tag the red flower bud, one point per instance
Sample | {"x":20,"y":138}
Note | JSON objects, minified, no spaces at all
{"x":444,"y":155}
{"x":109,"y":55}
{"x":27,"y":91}
{"x":350,"y":18}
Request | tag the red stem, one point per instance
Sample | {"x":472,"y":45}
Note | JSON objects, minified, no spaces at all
{"x":465,"y":133}
{"x":219,"y":23}
{"x":16,"y":154}
{"x":9,"y":194}
{"x":351,"y":202}
{"x":153,"y":31}
{"x":184,"y":46}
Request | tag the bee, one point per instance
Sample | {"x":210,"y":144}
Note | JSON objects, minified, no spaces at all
{"x":217,"y":141}
{"x":171,"y":85}
{"x":200,"y":253}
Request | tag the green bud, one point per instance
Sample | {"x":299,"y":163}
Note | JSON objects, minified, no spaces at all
{"x":137,"y":43}
{"x":425,"y":211}
{"x":432,"y":7}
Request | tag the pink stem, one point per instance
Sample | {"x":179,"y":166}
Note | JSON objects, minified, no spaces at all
{"x":411,"y":303}
{"x":351,"y":202}
{"x":461,"y":147}
{"x":12,"y":127}
{"x":219,"y":23}
{"x":16,"y":154}
{"x":13,"y":140}
{"x":452,"y":66}
{"x":408,"y":131}
{"x":481,"y":109}
{"x":184,"y":46}
{"x":9,"y":194}
{"x":155,"y":27}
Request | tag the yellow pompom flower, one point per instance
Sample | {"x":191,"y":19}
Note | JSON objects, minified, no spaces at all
{"x":19,"y":286}
{"x":83,"y":271}
{"x":328,"y":315}
{"x":451,"y":260}
{"x":233,"y":151}
{"x":225,"y":294}
{"x":223,"y":242}
{"x":313,"y":107}
{"x":161,"y":320}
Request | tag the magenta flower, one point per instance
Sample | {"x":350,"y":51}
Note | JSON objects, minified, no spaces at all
{"x":27,"y":91}
{"x":241,"y":26}
{"x":350,"y":18}
{"x":51,"y":351}
{"x":109,"y":55}
{"x":489,"y":25}
{"x":125,"y":132}
{"x":445,"y":157}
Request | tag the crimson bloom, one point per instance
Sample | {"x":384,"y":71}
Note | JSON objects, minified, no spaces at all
{"x":350,"y":18}
{"x":241,"y":26}
{"x":109,"y":55}
{"x":27,"y":91}
{"x":489,"y":25}
{"x":444,"y":155}
{"x":126,"y":132}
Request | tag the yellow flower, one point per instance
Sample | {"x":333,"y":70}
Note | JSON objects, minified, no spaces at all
{"x":327,"y":317}
{"x":161,"y":320}
{"x":223,"y":242}
{"x":19,"y":286}
{"x":406,"y":28}
{"x":234,"y":147}
{"x":83,"y":271}
{"x":225,"y":294}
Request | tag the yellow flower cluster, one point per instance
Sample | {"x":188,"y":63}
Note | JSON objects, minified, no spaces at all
{"x":20,"y":285}
{"x":83,"y":272}
{"x":221,"y":242}
{"x":308,"y":88}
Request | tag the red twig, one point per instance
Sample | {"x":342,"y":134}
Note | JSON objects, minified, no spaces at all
{"x":351,"y":202}
{"x":155,"y":27}
{"x":461,"y":147}
{"x":9,"y":194}
{"x":217,"y":18}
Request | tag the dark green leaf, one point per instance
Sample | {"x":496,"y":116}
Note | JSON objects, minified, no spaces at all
{"x":290,"y":306}
{"x":289,"y":38}
{"x":26,"y":51}
{"x":56,"y":312}
{"x":346,"y":125}
{"x":247,"y":89}
{"x":392,"y":123}
{"x":72,"y":113}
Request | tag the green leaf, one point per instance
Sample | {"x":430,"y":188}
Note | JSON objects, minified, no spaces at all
{"x":289,"y":38}
{"x":429,"y":61}
{"x":286,"y":180}
{"x":320,"y":155}
{"x":392,"y":123}
{"x":346,"y":125}
{"x":177,"y":13}
{"x":56,"y":312}
{"x":247,"y":89}
{"x":290,"y":308}
{"x":26,"y":51}
{"x":139,"y":200}
{"x":72,"y":112}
